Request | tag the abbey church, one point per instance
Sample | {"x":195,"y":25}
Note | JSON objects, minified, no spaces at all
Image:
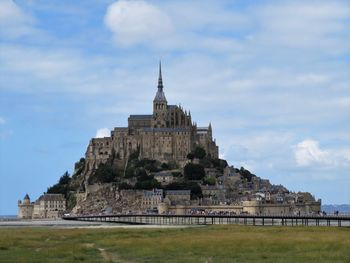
{"x":166,"y":135}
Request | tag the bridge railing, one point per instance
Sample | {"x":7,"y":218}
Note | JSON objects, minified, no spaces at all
{"x":263,"y":220}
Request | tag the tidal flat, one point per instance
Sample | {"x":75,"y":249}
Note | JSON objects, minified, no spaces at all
{"x":229,"y":243}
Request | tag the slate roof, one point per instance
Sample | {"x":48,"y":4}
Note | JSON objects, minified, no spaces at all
{"x":178,"y":192}
{"x":52,"y":197}
{"x":166,"y":129}
{"x":141,"y":117}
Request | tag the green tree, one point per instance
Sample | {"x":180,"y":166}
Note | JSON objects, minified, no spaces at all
{"x":209,"y":180}
{"x":130,"y":172}
{"x":246,"y":174}
{"x":65,"y":178}
{"x":124,"y":185}
{"x":165,"y":166}
{"x":194,"y":171}
{"x":62,"y":186}
{"x":103,"y":174}
{"x":190,"y":156}
{"x":199,"y":152}
{"x":196,"y":190}
{"x":148,"y":184}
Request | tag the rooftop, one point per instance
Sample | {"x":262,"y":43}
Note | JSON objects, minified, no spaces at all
{"x":140,"y":117}
{"x":178,"y":192}
{"x":52,"y":197}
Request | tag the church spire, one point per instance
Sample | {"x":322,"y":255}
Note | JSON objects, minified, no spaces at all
{"x":160,"y":80}
{"x":160,"y":96}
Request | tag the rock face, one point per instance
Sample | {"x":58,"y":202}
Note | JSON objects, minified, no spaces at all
{"x":106,"y":198}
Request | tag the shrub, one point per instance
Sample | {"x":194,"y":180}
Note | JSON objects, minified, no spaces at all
{"x":199,"y":152}
{"x":209,"y":180}
{"x":124,"y":185}
{"x":148,"y":184}
{"x":103,"y":174}
{"x":194,"y":171}
{"x":196,"y":190}
{"x":246,"y":174}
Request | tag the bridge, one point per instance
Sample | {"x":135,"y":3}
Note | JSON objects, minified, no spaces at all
{"x":242,"y":219}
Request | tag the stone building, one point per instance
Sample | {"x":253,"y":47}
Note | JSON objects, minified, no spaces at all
{"x":25,"y":208}
{"x":166,"y":135}
{"x":47,"y":206}
{"x":164,"y":177}
{"x":178,"y":196}
{"x":152,"y":198}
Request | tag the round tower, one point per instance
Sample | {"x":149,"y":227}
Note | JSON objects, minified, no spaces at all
{"x":25,"y":208}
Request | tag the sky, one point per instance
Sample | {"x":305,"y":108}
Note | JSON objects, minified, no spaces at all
{"x":273,"y":78}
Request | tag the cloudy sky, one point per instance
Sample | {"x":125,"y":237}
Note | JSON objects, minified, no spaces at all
{"x":273,"y":78}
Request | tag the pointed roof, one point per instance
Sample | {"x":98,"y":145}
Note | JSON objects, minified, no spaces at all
{"x":160,"y":96}
{"x":26,"y":197}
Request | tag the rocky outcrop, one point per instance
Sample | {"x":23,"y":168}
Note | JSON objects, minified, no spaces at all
{"x":106,"y":198}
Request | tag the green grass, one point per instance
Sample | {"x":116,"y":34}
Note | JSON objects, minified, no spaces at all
{"x":205,"y":244}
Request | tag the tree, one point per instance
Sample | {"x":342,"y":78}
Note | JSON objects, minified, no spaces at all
{"x":199,"y":152}
{"x":62,"y":186}
{"x":194,"y":171}
{"x":209,"y":180}
{"x":142,"y":175}
{"x":164,"y":166}
{"x":196,"y":190}
{"x":147,"y":184}
{"x":190,"y":156}
{"x":135,"y":155}
{"x":246,"y":174}
{"x":130,"y":172}
{"x":124,"y":185}
{"x":65,"y":179}
{"x":103,"y":174}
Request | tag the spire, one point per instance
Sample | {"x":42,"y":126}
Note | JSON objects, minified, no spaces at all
{"x":160,"y":80}
{"x":160,"y":96}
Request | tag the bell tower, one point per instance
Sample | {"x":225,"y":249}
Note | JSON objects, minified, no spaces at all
{"x":160,"y":104}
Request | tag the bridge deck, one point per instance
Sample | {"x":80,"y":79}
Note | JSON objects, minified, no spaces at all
{"x":263,"y":220}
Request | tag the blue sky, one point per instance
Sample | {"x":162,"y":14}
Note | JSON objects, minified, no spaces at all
{"x":271,"y":76}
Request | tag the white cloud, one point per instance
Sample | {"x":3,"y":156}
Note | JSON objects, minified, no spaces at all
{"x":135,"y":22}
{"x":14,"y":21}
{"x":309,"y":153}
{"x":305,"y":23}
{"x":103,"y":132}
{"x":2,"y":121}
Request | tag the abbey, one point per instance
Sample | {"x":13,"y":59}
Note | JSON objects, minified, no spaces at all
{"x":167,"y":135}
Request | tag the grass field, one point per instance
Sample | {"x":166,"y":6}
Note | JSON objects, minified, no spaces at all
{"x":203,"y":244}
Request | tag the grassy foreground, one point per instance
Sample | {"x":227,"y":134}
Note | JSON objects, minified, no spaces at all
{"x":205,"y":244}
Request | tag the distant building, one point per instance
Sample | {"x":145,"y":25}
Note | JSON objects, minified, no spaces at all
{"x":152,"y":198}
{"x":25,"y":208}
{"x":178,"y":196}
{"x":47,"y":206}
{"x":164,"y":177}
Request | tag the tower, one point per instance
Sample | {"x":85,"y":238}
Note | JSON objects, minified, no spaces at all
{"x":25,"y":208}
{"x":160,"y":104}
